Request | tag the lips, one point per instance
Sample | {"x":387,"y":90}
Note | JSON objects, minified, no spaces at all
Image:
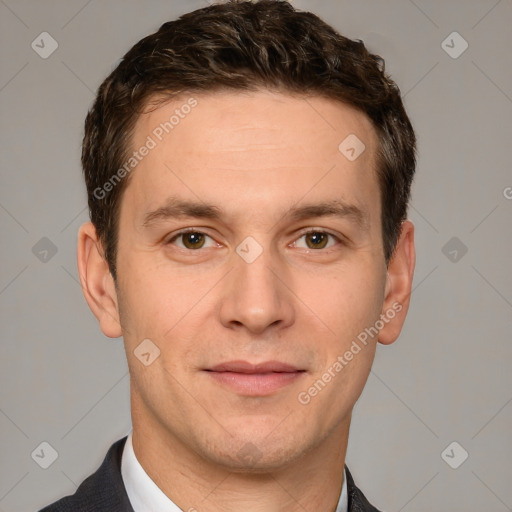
{"x":249,"y":379}
{"x":248,"y":368}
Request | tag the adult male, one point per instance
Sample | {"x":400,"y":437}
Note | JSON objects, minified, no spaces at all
{"x":248,"y":172}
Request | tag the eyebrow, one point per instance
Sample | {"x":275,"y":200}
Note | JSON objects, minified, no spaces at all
{"x":177,"y":208}
{"x":336,"y":208}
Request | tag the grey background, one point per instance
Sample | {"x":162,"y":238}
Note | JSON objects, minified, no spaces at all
{"x":447,"y":379}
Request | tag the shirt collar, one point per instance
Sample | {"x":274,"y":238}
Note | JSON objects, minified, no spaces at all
{"x":145,"y":495}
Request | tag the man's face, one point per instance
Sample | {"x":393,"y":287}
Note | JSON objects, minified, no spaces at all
{"x":217,"y":269}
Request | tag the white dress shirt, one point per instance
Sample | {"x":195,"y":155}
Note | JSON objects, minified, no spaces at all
{"x":146,"y":496}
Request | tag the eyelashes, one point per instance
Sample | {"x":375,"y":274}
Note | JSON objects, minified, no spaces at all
{"x":319,"y":239}
{"x":193,"y":239}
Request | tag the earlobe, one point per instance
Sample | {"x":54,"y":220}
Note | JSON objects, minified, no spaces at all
{"x":398,"y":285}
{"x":97,"y":282}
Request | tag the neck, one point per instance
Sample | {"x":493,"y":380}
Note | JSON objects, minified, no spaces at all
{"x":312,"y":481}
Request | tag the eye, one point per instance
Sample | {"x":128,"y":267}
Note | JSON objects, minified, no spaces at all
{"x":192,"y":240}
{"x":316,"y":240}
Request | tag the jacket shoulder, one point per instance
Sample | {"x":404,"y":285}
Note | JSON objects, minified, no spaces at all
{"x":102,"y":491}
{"x":356,"y":499}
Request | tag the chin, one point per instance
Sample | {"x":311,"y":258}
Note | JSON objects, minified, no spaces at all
{"x":256,"y":454}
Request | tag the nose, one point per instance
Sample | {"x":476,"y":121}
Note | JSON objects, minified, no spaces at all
{"x":254,"y":296}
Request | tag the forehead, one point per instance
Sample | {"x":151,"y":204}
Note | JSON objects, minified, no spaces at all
{"x":253,"y":146}
{"x":257,"y":120}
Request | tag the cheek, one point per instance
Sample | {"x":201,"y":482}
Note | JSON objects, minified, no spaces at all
{"x":347,"y":301}
{"x":148,"y":305}
{"x":345,"y":354}
{"x":167,"y":309}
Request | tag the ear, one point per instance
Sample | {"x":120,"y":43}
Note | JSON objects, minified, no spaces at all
{"x":97,"y":282}
{"x":398,"y":285}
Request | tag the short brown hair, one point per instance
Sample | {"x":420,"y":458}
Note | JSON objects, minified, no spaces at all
{"x":244,"y":45}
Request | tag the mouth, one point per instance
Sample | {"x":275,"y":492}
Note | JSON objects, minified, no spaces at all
{"x":249,"y":379}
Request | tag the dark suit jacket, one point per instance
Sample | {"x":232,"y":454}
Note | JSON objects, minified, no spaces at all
{"x":104,"y":490}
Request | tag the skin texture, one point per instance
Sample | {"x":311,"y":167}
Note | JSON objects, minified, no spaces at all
{"x":254,"y":156}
